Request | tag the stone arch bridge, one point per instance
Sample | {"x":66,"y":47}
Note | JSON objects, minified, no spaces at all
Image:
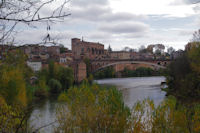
{"x":119,"y":65}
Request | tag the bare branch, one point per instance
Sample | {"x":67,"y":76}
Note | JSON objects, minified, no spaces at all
{"x":34,"y":20}
{"x":37,"y":130}
{"x":42,"y":5}
{"x":27,"y":12}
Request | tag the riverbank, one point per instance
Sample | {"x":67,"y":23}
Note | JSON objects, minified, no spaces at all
{"x":139,"y":72}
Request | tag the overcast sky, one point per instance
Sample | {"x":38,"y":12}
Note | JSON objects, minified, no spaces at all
{"x":122,"y":23}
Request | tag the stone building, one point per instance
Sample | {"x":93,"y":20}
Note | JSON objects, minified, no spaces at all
{"x":53,"y":50}
{"x":90,"y":50}
{"x":121,"y":55}
{"x":80,"y":73}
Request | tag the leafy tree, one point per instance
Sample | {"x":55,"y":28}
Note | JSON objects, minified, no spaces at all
{"x":142,"y":49}
{"x":93,"y":109}
{"x":42,"y":88}
{"x":196,"y":36}
{"x":97,"y":109}
{"x":170,"y":50}
{"x":55,"y":86}
{"x":13,"y":85}
{"x":12,"y":118}
{"x":194,"y":56}
{"x":66,"y":77}
{"x":108,"y":72}
{"x":51,"y":70}
{"x":90,"y":79}
{"x":183,"y":76}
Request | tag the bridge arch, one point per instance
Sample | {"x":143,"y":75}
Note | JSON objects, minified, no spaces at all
{"x":156,"y":64}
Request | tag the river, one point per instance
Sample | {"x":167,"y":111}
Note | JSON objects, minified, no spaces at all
{"x":133,"y":89}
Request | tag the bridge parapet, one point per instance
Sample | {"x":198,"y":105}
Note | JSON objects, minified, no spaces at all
{"x":101,"y":64}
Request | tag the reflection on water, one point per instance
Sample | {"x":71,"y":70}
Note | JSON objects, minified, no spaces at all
{"x":133,"y":89}
{"x":44,"y":113}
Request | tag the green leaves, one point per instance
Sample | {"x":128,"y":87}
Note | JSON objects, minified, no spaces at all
{"x":92,"y":109}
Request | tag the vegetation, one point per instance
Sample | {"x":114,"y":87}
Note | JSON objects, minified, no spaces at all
{"x":92,"y":109}
{"x":108,"y":72}
{"x":96,"y":109}
{"x":57,"y":77}
{"x":55,"y":86}
{"x":17,"y":93}
{"x":141,"y":72}
{"x":183,"y":75}
{"x":14,"y":94}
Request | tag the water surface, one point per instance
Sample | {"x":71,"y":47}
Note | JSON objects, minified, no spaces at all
{"x":134,"y":89}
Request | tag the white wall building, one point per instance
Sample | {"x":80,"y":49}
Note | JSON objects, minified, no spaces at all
{"x":35,"y":66}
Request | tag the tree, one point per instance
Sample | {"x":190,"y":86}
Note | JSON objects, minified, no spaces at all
{"x":66,"y":77}
{"x":55,"y":86}
{"x":13,"y":86}
{"x":159,"y":49}
{"x":92,"y":109}
{"x":142,"y":49}
{"x":15,"y":12}
{"x":194,"y":56}
{"x":51,"y":70}
{"x":196,"y":36}
{"x":170,"y":50}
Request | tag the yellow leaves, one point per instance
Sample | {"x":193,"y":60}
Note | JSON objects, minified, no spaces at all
{"x":10,"y":118}
{"x":196,"y":120}
{"x":2,"y":101}
{"x":94,"y":109}
{"x":194,"y":54}
{"x":62,"y":97}
{"x":13,"y":86}
{"x":90,"y":110}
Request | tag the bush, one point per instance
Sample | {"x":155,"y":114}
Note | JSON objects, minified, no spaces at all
{"x":55,"y":86}
{"x":183,"y":80}
{"x":96,"y":109}
{"x":42,"y":89}
{"x":62,"y":97}
{"x":92,"y":109}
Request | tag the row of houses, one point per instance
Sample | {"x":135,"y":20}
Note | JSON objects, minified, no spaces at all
{"x":38,"y":56}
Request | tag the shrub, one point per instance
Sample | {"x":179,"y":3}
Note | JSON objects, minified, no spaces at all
{"x":92,"y":109}
{"x":62,"y":97}
{"x":42,"y":89}
{"x":55,"y":86}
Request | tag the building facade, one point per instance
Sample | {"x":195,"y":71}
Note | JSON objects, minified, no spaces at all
{"x":89,"y":50}
{"x":35,"y":65}
{"x":121,"y":55}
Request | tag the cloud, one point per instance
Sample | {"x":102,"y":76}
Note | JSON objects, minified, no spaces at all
{"x":101,"y":13}
{"x":186,"y":32}
{"x":191,"y":1}
{"x":182,"y":2}
{"x":99,"y":35}
{"x":85,"y":3}
{"x":124,"y":28}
